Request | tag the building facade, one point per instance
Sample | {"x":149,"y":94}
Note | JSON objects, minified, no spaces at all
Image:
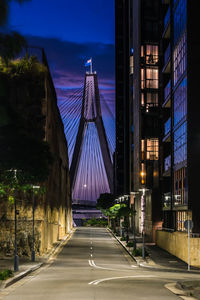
{"x":123,"y":79}
{"x":138,"y":108}
{"x":180,"y":45}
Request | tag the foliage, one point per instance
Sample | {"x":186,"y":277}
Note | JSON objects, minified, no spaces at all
{"x":6,"y":274}
{"x":122,"y":239}
{"x":22,"y":130}
{"x":129,"y":244}
{"x":11,"y":45}
{"x":138,"y":252}
{"x":105,"y":201}
{"x":96,"y":222}
{"x":4,"y":10}
{"x":9,"y":190}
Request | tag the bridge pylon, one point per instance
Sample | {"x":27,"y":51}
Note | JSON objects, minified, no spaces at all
{"x":91,"y":113}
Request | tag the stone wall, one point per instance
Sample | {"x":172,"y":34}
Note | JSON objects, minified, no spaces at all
{"x":53,"y":213}
{"x":176,"y":243}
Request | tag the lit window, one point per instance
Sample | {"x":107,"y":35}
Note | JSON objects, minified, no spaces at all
{"x":152,"y":99}
{"x":151,"y":54}
{"x":142,"y":79}
{"x":152,"y":149}
{"x":131,"y":64}
{"x":142,"y":51}
{"x":142,"y":99}
{"x":152,"y":78}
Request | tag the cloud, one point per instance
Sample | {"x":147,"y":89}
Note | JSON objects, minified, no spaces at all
{"x":66,"y":61}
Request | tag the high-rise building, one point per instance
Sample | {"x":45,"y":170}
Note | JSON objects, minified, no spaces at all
{"x":180,"y":45}
{"x":123,"y":79}
{"x":137,"y":108}
{"x":146,"y":114}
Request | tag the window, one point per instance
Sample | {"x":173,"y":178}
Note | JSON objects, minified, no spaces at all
{"x":179,"y":59}
{"x":181,"y":217}
{"x":142,"y":149}
{"x":151,"y":54}
{"x":152,"y":99}
{"x":142,"y":79}
{"x":180,"y":144}
{"x":180,"y":16}
{"x":152,"y":78}
{"x":152,"y":149}
{"x":180,"y":187}
{"x":142,"y":99}
{"x":131,"y":64}
{"x":180,"y":102}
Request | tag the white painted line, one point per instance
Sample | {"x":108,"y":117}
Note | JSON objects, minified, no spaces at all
{"x":97,"y":281}
{"x":91,"y":255}
{"x":91,"y":248}
{"x":133,"y":266}
{"x":104,"y":268}
{"x":90,"y":263}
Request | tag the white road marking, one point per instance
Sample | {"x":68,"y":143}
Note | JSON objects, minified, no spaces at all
{"x":91,"y":248}
{"x":92,"y":264}
{"x":133,"y":266}
{"x":91,"y":255}
{"x":97,"y":281}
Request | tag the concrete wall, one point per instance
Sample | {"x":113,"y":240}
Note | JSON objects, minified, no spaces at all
{"x":176,"y":243}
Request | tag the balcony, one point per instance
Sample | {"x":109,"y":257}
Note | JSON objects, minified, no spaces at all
{"x":168,"y":126}
{"x":167,"y":56}
{"x":166,"y":25}
{"x":167,"y":130}
{"x":167,"y":163}
{"x":167,"y":18}
{"x":167,"y":94}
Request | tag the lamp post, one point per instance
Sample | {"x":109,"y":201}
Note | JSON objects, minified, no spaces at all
{"x":143,"y":208}
{"x":16,"y":257}
{"x":33,"y":244}
{"x":133,"y":194}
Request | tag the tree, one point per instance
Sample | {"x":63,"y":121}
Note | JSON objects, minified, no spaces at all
{"x":4,"y":10}
{"x":10,"y":44}
{"x":105,"y":201}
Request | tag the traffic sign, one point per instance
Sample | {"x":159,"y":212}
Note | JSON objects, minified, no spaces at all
{"x":188,"y":224}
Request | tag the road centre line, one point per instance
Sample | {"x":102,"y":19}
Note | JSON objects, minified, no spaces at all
{"x":97,"y":281}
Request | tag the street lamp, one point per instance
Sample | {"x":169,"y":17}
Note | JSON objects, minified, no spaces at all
{"x":16,"y":257}
{"x":33,"y":244}
{"x":133,"y":194}
{"x":143,"y":206}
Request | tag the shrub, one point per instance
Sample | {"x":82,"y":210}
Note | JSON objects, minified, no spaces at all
{"x":96,"y":222}
{"x":129,"y":244}
{"x":122,"y":239}
{"x":6,"y":274}
{"x":138,"y":252}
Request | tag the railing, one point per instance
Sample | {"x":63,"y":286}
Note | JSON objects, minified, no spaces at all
{"x":167,"y":89}
{"x":167,"y":18}
{"x":168,"y":126}
{"x":167,"y":53}
{"x":167,"y":163}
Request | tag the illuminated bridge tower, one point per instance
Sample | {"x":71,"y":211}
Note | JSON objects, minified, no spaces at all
{"x":91,"y":117}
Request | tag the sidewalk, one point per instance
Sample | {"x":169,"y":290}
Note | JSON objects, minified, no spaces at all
{"x":26,"y":266}
{"x":160,"y":260}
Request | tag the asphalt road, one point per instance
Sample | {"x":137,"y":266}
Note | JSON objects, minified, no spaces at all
{"x":92,"y":265}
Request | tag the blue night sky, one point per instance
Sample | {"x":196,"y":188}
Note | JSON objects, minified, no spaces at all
{"x":70,"y":32}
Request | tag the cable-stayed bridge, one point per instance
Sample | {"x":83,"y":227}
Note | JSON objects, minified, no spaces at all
{"x":90,"y":131}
